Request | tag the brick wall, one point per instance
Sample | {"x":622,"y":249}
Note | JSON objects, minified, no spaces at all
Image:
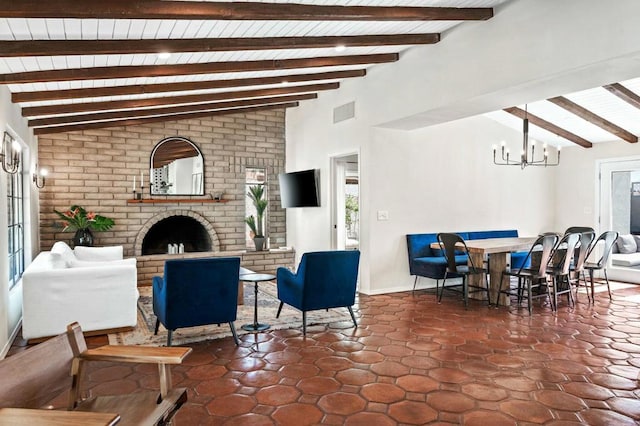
{"x":95,"y":168}
{"x":265,"y":262}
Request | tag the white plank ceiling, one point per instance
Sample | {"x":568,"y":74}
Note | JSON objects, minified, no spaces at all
{"x":597,"y":100}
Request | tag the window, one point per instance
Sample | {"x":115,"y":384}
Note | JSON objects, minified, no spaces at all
{"x":15,"y":238}
{"x":254,"y":176}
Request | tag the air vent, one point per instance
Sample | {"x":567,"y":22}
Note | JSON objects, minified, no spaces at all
{"x":344,"y":112}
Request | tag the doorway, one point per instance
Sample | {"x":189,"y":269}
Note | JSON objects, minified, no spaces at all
{"x":345,"y":183}
{"x":620,"y":207}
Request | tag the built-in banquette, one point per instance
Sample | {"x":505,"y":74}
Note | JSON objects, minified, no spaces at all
{"x":430,"y":263}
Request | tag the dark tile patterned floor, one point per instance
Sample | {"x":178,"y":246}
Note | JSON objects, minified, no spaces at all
{"x":413,"y":361}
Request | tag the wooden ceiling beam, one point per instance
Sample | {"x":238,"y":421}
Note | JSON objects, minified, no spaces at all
{"x":22,"y":48}
{"x":172,"y":100}
{"x":197,"y":10}
{"x":130,"y":71}
{"x":141,"y":89}
{"x":624,"y":93}
{"x":544,"y":124}
{"x":145,"y":120}
{"x":205,"y":106}
{"x":594,"y":119}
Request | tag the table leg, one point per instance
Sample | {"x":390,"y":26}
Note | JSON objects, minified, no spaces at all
{"x":476,"y":279}
{"x":255,"y":307}
{"x":497,"y":264}
{"x":256,"y":326}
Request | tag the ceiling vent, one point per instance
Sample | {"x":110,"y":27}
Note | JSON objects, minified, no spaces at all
{"x":344,"y":112}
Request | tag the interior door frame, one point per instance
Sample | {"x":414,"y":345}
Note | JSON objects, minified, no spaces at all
{"x":604,"y":168}
{"x":334,"y":193}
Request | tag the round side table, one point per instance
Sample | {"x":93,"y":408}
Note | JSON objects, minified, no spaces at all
{"x":255,"y":279}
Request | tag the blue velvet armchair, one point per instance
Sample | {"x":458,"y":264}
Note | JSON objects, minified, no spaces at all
{"x":196,"y":292}
{"x":324,"y":280}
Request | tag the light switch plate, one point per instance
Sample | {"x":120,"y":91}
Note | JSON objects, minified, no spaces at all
{"x":383,"y":215}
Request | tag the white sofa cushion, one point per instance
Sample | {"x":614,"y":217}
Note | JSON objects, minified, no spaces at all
{"x":61,"y":255}
{"x":626,"y":244}
{"x":89,"y":263}
{"x":630,"y":259}
{"x":98,"y":253}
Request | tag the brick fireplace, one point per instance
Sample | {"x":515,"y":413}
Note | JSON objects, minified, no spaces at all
{"x":95,"y":169}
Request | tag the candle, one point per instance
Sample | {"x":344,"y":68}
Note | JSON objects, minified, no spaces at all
{"x":134,"y":183}
{"x":141,"y":180}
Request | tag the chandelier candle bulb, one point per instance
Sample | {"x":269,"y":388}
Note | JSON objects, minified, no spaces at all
{"x":141,"y":180}
{"x":134,"y":183}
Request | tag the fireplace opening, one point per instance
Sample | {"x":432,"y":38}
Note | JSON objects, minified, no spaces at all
{"x":175,"y":230}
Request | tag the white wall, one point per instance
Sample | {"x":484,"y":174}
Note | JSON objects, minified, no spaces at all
{"x":11,"y":300}
{"x":443,"y":179}
{"x":530,"y":50}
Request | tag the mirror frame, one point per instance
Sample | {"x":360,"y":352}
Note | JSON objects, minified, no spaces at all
{"x":151,"y":168}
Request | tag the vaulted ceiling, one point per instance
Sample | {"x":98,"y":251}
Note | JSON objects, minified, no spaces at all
{"x":74,"y":65}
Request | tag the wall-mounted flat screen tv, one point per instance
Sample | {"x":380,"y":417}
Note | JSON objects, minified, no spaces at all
{"x":300,"y":189}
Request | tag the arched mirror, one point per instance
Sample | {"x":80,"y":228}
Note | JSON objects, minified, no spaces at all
{"x":177,"y":168}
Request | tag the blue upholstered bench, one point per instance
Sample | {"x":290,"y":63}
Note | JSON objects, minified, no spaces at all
{"x":430,"y":263}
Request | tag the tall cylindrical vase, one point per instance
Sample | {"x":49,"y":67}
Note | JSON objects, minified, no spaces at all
{"x":259,"y":242}
{"x":83,"y":237}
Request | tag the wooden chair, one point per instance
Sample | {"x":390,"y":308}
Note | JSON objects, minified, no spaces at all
{"x":33,"y":378}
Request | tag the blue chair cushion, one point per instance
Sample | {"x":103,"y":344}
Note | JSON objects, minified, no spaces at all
{"x":480,"y":235}
{"x":518,"y":260}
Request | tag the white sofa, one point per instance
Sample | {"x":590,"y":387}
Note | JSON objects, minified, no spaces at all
{"x":94,"y":286}
{"x":626,"y":251}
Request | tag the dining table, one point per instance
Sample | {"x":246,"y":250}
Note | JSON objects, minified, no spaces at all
{"x":498,"y":250}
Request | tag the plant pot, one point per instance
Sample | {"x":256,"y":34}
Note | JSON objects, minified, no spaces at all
{"x":259,"y":242}
{"x":83,"y":237}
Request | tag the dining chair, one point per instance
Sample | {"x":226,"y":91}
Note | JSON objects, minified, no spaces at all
{"x":577,"y":266}
{"x":560,"y":268}
{"x":535,"y":277}
{"x":609,"y":238}
{"x":452,"y":245}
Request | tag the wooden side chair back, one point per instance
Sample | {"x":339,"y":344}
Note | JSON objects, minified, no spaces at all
{"x":33,"y":378}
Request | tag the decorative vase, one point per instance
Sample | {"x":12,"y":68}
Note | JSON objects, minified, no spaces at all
{"x":259,"y":242}
{"x":83,"y":237}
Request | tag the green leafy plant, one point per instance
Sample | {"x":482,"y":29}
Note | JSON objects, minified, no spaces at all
{"x":256,"y":193}
{"x":78,"y":218}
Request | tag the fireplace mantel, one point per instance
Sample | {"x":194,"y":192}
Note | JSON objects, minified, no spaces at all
{"x":175,"y":201}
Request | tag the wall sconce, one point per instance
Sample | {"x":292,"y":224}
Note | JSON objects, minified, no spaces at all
{"x":10,"y":154}
{"x":39,"y":177}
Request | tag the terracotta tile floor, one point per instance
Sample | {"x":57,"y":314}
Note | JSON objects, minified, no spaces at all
{"x":412,"y":361}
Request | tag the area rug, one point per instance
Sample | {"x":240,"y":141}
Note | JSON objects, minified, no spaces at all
{"x":267,"y":308}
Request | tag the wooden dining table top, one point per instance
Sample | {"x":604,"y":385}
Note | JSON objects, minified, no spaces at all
{"x":495,"y":245}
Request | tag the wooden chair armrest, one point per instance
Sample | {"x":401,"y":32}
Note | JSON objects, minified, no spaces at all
{"x":34,"y":417}
{"x":140,"y":354}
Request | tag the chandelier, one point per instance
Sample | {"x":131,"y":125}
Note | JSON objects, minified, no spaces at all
{"x":527,"y":157}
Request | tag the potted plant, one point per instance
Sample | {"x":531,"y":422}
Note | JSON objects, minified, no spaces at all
{"x":83,"y":222}
{"x":256,"y":193}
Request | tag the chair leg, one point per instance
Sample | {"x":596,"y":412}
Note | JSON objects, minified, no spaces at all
{"x":465,"y":289}
{"x":606,"y":279}
{"x":414,"y":284}
{"x":500,"y":289}
{"x":593,"y":299}
{"x":233,"y":331}
{"x":439,"y":297}
{"x":169,"y":336}
{"x":353,"y":317}
{"x":529,"y":295}
{"x":155,"y":333}
{"x":304,"y":323}
{"x":279,"y":309}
